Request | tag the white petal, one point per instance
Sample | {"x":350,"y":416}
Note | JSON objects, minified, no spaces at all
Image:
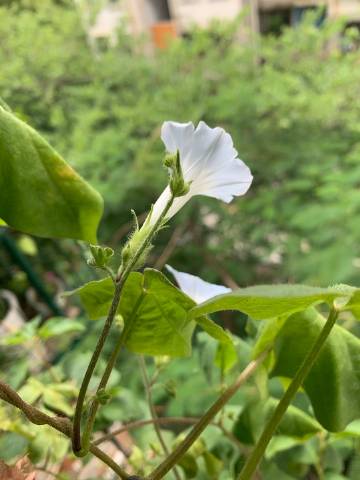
{"x":161,"y":202}
{"x":209,"y":162}
{"x":195,"y":287}
{"x":177,"y":136}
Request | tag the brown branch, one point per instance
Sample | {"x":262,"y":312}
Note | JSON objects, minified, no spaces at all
{"x":61,"y":424}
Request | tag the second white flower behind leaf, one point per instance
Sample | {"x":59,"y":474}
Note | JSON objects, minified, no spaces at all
{"x":196,"y":288}
{"x":209,"y":163}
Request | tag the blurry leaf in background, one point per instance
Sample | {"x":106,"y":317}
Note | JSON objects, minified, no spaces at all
{"x":295,"y":423}
{"x":39,"y":193}
{"x":27,"y":245}
{"x":333,"y":385}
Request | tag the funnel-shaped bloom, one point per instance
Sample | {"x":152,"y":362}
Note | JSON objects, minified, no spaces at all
{"x":209,"y":163}
{"x":195,"y":287}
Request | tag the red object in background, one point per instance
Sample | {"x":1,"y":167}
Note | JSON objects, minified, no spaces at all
{"x":163,"y":33}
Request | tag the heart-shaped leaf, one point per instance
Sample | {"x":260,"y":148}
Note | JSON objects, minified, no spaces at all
{"x":40,"y":193}
{"x":157,"y":310}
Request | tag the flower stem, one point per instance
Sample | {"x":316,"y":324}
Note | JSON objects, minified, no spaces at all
{"x":205,"y":420}
{"x":120,"y":280}
{"x":255,"y":457}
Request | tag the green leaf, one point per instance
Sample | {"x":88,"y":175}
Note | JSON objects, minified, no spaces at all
{"x":160,"y":324}
{"x":40,"y":193}
{"x":59,"y":326}
{"x":214,"y":330}
{"x":280,"y":443}
{"x":333,"y":384}
{"x":270,"y":301}
{"x":159,"y":321}
{"x":96,"y":297}
{"x":295,"y":423}
{"x":12,"y":445}
{"x":226,"y":356}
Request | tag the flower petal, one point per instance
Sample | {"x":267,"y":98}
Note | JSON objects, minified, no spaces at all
{"x":161,"y":202}
{"x":177,"y":136}
{"x":209,"y":163}
{"x":195,"y":287}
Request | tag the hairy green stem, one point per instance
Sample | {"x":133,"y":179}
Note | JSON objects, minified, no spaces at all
{"x":120,"y":280}
{"x":256,"y":455}
{"x":205,"y":420}
{"x":61,"y":424}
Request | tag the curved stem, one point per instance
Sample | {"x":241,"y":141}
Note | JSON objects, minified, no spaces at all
{"x":119,"y":283}
{"x":205,"y":420}
{"x":307,"y":364}
{"x":153,"y":413}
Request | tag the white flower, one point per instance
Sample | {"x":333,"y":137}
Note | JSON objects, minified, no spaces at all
{"x":209,"y":163}
{"x":195,"y":287}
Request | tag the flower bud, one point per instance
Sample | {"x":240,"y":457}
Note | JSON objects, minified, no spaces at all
{"x":100,"y":256}
{"x":177,"y":184}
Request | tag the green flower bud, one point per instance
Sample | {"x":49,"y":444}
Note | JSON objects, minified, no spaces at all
{"x":177,"y":183}
{"x":100,"y":256}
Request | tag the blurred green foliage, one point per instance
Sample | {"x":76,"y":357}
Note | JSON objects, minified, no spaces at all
{"x":291,"y":103}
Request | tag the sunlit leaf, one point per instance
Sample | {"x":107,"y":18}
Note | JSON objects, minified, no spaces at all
{"x":270,"y":301}
{"x":40,"y":193}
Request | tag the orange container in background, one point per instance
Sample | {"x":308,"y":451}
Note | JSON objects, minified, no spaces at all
{"x":162,"y":33}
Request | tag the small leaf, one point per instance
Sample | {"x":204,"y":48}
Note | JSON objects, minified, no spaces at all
{"x":96,"y":297}
{"x":40,"y":193}
{"x":59,"y":326}
{"x":270,"y":301}
{"x":333,"y":385}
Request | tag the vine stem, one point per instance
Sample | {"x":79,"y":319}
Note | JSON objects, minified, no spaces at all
{"x":153,"y":413}
{"x":205,"y":420}
{"x":120,"y":280}
{"x":256,"y":455}
{"x":61,"y":424}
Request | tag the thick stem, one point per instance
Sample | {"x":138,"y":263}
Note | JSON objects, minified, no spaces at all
{"x":120,"y":280}
{"x":255,"y":457}
{"x":153,"y":413}
{"x":63,"y":425}
{"x":205,"y":420}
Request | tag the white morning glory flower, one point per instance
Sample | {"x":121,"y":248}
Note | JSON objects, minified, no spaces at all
{"x":196,"y":288}
{"x":209,"y":163}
